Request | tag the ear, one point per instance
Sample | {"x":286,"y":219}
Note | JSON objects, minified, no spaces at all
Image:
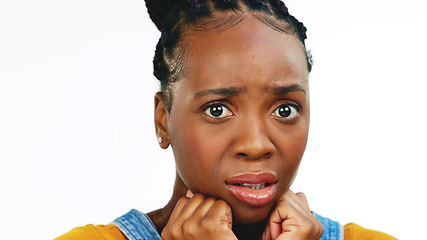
{"x":160,"y":120}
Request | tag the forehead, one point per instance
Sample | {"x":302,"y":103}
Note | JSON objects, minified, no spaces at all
{"x":249,"y":52}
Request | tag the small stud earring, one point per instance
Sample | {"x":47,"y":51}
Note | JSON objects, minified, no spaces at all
{"x":160,"y":139}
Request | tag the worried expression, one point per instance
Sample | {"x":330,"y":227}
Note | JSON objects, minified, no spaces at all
{"x":239,"y":119}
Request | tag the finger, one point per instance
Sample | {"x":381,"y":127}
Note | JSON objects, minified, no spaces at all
{"x":292,"y":216}
{"x":277,"y":217}
{"x":193,"y":223}
{"x":183,"y":210}
{"x":220,"y":212}
{"x":203,"y":208}
{"x":303,"y":200}
{"x":166,"y":233}
{"x":190,"y":207}
{"x":289,"y":209}
{"x":292,"y":198}
{"x":178,"y":208}
{"x":298,"y":226}
{"x":286,"y":218}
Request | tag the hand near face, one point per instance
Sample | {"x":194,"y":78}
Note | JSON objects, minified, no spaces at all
{"x":292,"y":219}
{"x":199,"y":217}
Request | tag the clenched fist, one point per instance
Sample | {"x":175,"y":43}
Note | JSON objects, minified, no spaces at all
{"x":292,"y":219}
{"x":198,"y":217}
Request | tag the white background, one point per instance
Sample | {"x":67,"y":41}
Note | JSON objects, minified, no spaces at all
{"x":77,"y":142}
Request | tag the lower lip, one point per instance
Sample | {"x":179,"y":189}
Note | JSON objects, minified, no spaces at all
{"x":256,"y":198}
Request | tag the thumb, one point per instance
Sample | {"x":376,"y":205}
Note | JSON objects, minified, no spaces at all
{"x":230,"y":222}
{"x":275,"y":223}
{"x":221,"y":211}
{"x":229,"y":214}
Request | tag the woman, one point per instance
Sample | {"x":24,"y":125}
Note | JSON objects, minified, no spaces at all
{"x":234,"y":107}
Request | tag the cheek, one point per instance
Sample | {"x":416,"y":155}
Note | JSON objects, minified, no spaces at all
{"x":198,"y":150}
{"x":292,"y":147}
{"x":298,"y":144}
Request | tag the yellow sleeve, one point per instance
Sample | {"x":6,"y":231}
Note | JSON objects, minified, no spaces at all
{"x":355,"y":232}
{"x":92,"y":232}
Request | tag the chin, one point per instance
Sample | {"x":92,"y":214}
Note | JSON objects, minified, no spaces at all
{"x":251,"y":215}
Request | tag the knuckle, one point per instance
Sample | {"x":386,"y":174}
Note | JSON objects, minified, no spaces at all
{"x":308,"y":231}
{"x":282,"y":204}
{"x":225,"y":208}
{"x":313,"y":228}
{"x":319,"y":228}
{"x":301,"y":195}
{"x":310,"y":227}
{"x":164,"y":235}
{"x":320,"y":231}
{"x":174,"y":234}
{"x":174,"y":231}
{"x":222,"y":204}
{"x":189,"y":227}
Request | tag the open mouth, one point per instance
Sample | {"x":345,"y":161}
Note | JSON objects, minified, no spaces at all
{"x":253,"y":189}
{"x":258,"y":186}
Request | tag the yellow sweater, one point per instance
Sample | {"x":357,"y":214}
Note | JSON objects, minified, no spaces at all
{"x":111,"y":232}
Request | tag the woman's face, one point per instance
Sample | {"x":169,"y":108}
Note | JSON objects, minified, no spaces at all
{"x":240,"y":116}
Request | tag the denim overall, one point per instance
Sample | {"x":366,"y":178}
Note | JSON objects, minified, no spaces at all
{"x":137,"y":226}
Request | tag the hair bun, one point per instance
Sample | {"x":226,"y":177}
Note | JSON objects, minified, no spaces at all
{"x":159,"y":10}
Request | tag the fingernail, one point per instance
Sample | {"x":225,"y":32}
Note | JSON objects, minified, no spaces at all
{"x":189,"y":194}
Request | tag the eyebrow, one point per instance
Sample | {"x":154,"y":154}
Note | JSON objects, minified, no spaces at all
{"x":220,"y":91}
{"x":282,"y":90}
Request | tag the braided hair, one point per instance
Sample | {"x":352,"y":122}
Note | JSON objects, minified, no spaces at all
{"x":175,"y":18}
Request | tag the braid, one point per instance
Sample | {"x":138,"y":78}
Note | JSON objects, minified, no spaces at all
{"x":175,"y":17}
{"x":259,"y":5}
{"x":226,"y":5}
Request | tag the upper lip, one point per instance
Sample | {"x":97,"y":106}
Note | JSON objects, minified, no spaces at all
{"x":253,"y":178}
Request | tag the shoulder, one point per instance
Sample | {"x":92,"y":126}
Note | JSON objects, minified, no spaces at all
{"x":101,"y":232}
{"x":353,"y":232}
{"x":133,"y":225}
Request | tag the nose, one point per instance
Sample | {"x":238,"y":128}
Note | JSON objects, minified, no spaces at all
{"x":252,"y":141}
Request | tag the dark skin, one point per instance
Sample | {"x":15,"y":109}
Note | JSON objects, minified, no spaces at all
{"x":251,"y":73}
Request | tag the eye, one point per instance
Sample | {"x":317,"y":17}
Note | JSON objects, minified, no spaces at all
{"x":218,"y":111}
{"x":286,"y":111}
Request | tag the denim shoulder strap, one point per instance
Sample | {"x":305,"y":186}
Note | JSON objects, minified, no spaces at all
{"x":332,"y":230}
{"x":138,"y":226}
{"x":135,"y":225}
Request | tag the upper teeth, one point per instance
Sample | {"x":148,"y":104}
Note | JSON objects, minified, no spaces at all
{"x":254,"y":186}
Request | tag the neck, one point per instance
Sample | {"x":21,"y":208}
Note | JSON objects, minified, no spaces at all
{"x":161,"y":216}
{"x":249,"y":231}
